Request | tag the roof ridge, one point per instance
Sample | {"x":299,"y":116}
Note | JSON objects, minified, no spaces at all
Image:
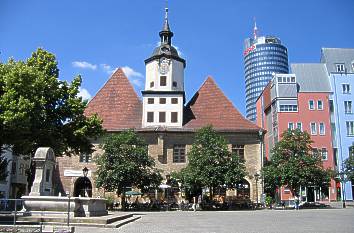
{"x":232,"y":118}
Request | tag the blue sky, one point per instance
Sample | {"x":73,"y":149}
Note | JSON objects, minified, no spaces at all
{"x":92,"y":38}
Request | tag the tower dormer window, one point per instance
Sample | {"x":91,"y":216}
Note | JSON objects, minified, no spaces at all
{"x":174,"y":84}
{"x":151,"y":84}
{"x":162,"y":81}
{"x":340,"y":67}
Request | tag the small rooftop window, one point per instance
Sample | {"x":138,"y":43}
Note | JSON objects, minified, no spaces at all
{"x":340,"y":67}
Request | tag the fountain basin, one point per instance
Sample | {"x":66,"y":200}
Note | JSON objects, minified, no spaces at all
{"x":79,"y":206}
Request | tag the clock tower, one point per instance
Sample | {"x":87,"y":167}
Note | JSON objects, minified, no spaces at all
{"x":163,"y":97}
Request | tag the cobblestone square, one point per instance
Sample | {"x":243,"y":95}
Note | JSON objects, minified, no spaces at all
{"x":323,"y":220}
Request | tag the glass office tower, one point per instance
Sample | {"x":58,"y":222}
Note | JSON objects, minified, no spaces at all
{"x":263,"y":56}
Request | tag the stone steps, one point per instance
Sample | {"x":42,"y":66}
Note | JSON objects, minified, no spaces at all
{"x":110,"y":221}
{"x":115,"y":224}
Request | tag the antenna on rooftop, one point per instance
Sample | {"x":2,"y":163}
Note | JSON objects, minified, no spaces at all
{"x":255,"y":29}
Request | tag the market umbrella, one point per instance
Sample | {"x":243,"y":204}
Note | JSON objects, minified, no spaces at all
{"x":164,"y":186}
{"x":133,"y":193}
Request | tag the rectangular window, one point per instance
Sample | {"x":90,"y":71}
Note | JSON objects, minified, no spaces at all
{"x":324,"y":154}
{"x":313,"y":127}
{"x":348,"y":107}
{"x":346,"y":88}
{"x":179,"y":153}
{"x":150,"y":117}
{"x":311,"y":105}
{"x":174,"y":101}
{"x":162,"y":100}
{"x":162,"y":117}
{"x":319,"y":105}
{"x":162,"y":81}
{"x":315,"y":152}
{"x":240,"y":150}
{"x":150,"y":100}
{"x":350,"y":128}
{"x":322,"y":128}
{"x":85,"y":158}
{"x":174,"y":117}
{"x":299,"y":126}
{"x":47,"y":175}
{"x":288,"y":108}
{"x":340,"y":67}
{"x":151,"y":84}
{"x":291,"y":125}
{"x":174,"y":84}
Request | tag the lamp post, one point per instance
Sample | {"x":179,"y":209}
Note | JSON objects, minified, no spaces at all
{"x":342,"y":181}
{"x":85,"y":172}
{"x":256,"y":176}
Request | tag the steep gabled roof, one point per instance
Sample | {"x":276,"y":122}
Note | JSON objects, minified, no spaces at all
{"x":209,"y":106}
{"x":117,"y":104}
{"x":332,"y":56}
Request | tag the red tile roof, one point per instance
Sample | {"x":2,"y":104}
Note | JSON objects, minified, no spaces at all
{"x":120,"y":108}
{"x":210,"y":106}
{"x":117,"y":104}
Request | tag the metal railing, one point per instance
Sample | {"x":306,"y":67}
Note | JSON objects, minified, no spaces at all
{"x":12,"y":209}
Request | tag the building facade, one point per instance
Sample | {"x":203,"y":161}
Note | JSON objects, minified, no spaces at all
{"x":263,"y":56}
{"x":340,"y":69}
{"x":167,"y":124}
{"x":15,"y":183}
{"x":300,"y":100}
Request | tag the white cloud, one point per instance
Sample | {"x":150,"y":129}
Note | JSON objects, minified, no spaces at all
{"x":84,"y":65}
{"x":130,"y":73}
{"x":84,"y":94}
{"x":137,"y":82}
{"x":107,"y":68}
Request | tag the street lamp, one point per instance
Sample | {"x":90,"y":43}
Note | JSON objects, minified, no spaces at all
{"x":256,"y":176}
{"x":85,"y":172}
{"x":342,"y":181}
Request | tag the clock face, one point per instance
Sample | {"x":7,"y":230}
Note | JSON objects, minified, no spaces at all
{"x":164,"y":66}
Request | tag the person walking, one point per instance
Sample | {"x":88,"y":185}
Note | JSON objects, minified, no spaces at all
{"x":297,"y":201}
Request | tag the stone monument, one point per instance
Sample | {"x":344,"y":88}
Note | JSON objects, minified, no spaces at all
{"x":44,"y":160}
{"x":41,"y":199}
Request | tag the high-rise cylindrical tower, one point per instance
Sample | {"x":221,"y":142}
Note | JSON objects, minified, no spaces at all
{"x":263,"y":56}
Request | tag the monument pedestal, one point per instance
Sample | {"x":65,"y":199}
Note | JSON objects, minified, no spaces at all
{"x":79,"y":206}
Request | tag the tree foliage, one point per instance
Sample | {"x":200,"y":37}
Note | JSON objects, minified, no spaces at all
{"x":294,"y":164}
{"x":210,"y":163}
{"x":38,"y":109}
{"x":349,"y":165}
{"x":125,"y":163}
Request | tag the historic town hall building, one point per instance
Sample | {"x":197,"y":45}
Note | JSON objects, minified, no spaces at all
{"x":166,"y":121}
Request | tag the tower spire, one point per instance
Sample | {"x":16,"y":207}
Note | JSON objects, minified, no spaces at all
{"x":166,"y":33}
{"x":255,"y":29}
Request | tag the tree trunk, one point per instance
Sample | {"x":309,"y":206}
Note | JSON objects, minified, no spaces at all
{"x":211,"y":192}
{"x":123,"y":202}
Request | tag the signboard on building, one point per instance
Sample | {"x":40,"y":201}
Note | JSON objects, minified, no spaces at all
{"x":76,"y":173}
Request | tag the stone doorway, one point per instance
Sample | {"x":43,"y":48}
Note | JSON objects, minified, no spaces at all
{"x":243,"y":190}
{"x":83,"y":187}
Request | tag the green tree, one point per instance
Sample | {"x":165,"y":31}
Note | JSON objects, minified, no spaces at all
{"x":125,"y":163}
{"x":211,"y":164}
{"x":38,"y":109}
{"x":349,"y":164}
{"x":293,"y":164}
